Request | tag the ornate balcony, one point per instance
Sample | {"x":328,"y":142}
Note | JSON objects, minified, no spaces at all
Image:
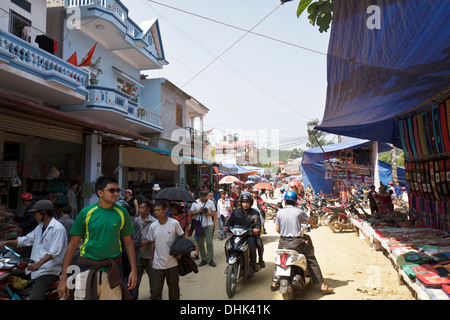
{"x":29,"y":71}
{"x":117,"y":32}
{"x":120,"y":107}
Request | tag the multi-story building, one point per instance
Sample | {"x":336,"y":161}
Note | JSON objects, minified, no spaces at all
{"x":36,"y":138}
{"x":61,"y":119}
{"x":237,"y":152}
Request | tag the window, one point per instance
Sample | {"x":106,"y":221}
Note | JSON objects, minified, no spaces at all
{"x":179,"y":120}
{"x":17,"y":24}
{"x":120,"y":83}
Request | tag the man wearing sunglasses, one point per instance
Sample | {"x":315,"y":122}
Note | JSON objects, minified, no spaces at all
{"x":101,"y":227}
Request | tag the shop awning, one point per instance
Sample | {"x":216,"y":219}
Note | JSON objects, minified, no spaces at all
{"x":316,"y":155}
{"x":375,"y":74}
{"x":241,"y":170}
{"x":170,"y":153}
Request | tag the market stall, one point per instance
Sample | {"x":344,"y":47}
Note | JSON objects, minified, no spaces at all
{"x":336,"y":168}
{"x":388,"y":87}
{"x":421,"y":255}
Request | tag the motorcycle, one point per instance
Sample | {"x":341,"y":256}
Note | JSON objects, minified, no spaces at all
{"x":340,"y":219}
{"x":12,"y":266}
{"x":237,"y":254}
{"x":291,"y":273}
{"x":271,"y":212}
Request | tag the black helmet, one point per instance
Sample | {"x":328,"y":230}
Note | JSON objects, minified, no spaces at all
{"x":246,"y":196}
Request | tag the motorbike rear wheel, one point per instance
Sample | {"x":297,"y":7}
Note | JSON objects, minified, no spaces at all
{"x":335,"y":224}
{"x":286,"y":290}
{"x":232,"y":279}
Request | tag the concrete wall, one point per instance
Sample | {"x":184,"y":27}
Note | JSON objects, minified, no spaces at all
{"x":37,"y":16}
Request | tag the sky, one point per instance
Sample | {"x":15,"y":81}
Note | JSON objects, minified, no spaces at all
{"x":261,"y":88}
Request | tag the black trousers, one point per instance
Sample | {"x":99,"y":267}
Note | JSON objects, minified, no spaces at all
{"x":252,"y":250}
{"x":41,"y":285}
{"x":301,"y":246}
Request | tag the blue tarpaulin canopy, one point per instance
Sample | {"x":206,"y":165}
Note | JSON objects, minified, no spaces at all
{"x":314,"y":175}
{"x":315,"y":155}
{"x":385,"y":172}
{"x":385,"y":58}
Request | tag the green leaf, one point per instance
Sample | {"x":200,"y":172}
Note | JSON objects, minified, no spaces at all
{"x":324,"y":21}
{"x":302,"y":6}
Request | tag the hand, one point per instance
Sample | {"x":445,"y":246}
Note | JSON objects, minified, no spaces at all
{"x":33,"y":267}
{"x":255,"y":231}
{"x":132,"y":280}
{"x":63,"y":290}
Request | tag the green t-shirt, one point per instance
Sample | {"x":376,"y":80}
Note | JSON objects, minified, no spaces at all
{"x":101,"y":230}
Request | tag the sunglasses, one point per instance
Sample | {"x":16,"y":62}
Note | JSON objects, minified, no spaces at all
{"x":113,"y":190}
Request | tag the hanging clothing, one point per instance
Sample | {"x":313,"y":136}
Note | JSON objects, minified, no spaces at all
{"x":45,"y":43}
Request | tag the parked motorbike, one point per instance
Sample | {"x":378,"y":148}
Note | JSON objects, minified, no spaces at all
{"x":291,"y":273}
{"x":271,"y":211}
{"x":237,"y":254}
{"x":12,"y":267}
{"x":340,"y":219}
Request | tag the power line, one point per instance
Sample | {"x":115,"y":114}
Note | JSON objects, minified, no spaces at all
{"x":396,"y":71}
{"x":220,"y":55}
{"x":234,"y":70}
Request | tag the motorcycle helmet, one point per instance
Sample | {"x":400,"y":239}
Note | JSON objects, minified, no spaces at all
{"x":282,"y":190}
{"x":124,"y":204}
{"x":26,"y":196}
{"x":291,"y":196}
{"x":246,"y":196}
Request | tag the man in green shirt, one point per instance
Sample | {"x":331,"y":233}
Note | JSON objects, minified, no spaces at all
{"x":99,"y":228}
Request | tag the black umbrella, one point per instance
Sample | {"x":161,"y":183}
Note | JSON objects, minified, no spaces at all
{"x":174,"y":194}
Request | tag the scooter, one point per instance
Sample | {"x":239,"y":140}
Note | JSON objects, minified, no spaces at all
{"x":291,"y":273}
{"x":13,"y":264}
{"x":237,"y":254}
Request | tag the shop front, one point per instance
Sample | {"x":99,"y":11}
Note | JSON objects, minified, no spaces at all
{"x":39,"y":158}
{"x":141,"y":168}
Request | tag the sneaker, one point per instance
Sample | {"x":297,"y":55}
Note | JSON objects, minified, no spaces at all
{"x":203,"y":263}
{"x":212,"y":263}
{"x":262,"y":264}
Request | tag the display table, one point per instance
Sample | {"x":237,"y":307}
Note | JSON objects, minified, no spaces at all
{"x":420,"y":255}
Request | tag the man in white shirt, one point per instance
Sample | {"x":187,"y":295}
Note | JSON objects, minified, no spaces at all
{"x":223,"y":211}
{"x":162,"y":234}
{"x":49,"y":243}
{"x":205,"y":210}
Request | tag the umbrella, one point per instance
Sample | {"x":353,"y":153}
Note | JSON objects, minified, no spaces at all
{"x":240,"y":183}
{"x":249,"y":182}
{"x":174,"y":194}
{"x":228,"y":180}
{"x":295,"y":183}
{"x":263,"y":185}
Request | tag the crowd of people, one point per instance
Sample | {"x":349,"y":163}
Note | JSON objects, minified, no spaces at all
{"x":118,"y":239}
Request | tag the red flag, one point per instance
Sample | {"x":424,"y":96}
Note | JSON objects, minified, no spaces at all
{"x":87,"y":61}
{"x":73,"y":59}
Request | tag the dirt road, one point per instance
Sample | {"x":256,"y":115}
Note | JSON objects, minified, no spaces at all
{"x":349,"y":265}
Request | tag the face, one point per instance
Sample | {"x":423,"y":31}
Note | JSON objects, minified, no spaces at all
{"x":143,"y":209}
{"x":210,"y":196}
{"x":255,"y":195}
{"x":246,"y":205}
{"x":160,"y":212}
{"x":222,"y":195}
{"x":39,"y":216}
{"x":203,"y":197}
{"x":110,"y":194}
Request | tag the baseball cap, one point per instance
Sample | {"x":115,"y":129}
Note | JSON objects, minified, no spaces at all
{"x":42,"y":205}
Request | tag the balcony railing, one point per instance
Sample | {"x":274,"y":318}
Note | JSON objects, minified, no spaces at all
{"x":120,"y":102}
{"x":115,"y":7}
{"x":25,"y":56}
{"x":195,"y":135}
